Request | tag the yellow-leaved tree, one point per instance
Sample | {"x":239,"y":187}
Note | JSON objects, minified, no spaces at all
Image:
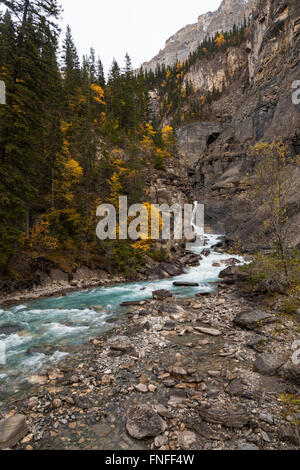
{"x":220,"y":40}
{"x":169,"y":139}
{"x":147,"y":225}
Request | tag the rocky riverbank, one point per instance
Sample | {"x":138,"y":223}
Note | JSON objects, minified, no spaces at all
{"x":57,"y":282}
{"x":210,"y":372}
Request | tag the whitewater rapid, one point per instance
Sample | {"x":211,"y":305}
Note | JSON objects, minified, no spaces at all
{"x":57,"y":323}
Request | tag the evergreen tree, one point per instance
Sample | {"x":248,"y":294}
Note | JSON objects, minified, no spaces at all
{"x":71,"y":64}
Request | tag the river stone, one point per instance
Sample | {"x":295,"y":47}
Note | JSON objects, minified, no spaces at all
{"x":208,"y":331}
{"x":141,"y":388}
{"x":161,"y":294}
{"x":163,"y":411}
{"x":231,"y":262}
{"x":10,"y":329}
{"x":230,"y":418}
{"x":268,"y":364}
{"x":143,"y":422}
{"x":171,"y":269}
{"x":132,"y":303}
{"x":236,"y":388}
{"x":122,"y":348}
{"x":291,"y":372}
{"x":289,"y":434}
{"x":177,"y":371}
{"x":186,"y":439}
{"x":43,"y":349}
{"x":37,"y":379}
{"x":12,"y":430}
{"x":206,"y":252}
{"x":248,"y":446}
{"x":185,"y":284}
{"x":233,"y":273}
{"x":253,"y":319}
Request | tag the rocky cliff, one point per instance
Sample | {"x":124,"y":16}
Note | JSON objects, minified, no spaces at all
{"x":185,"y":41}
{"x":256,"y":106}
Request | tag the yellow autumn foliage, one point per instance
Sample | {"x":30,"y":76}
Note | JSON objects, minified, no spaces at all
{"x":98,"y":93}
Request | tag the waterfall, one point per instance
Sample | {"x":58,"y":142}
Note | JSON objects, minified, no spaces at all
{"x":197,"y":223}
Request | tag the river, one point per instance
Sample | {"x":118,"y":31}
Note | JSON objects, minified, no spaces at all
{"x":45,"y":329}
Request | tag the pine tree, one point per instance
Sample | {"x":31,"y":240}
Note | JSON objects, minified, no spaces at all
{"x":21,"y":120}
{"x":71,"y":64}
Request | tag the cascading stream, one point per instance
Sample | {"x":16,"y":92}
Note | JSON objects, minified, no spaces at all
{"x":44,"y":329}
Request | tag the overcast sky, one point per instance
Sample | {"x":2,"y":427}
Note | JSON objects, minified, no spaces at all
{"x":139,"y":27}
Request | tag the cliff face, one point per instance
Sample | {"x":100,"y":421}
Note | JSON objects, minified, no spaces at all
{"x":256,"y":106}
{"x":179,"y":46}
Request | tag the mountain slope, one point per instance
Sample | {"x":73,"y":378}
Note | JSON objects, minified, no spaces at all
{"x":180,"y":45}
{"x":256,"y":106}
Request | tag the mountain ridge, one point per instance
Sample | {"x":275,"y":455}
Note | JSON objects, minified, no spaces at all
{"x":187,"y":39}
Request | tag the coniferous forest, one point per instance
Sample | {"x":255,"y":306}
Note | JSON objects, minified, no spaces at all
{"x":71,"y":139}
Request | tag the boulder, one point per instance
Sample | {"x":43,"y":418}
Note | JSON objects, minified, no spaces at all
{"x":252,"y":319}
{"x":231,"y":418}
{"x":233,"y":273}
{"x":268,"y":364}
{"x":142,"y":421}
{"x":12,"y":430}
{"x":275,"y":284}
{"x":171,"y":269}
{"x":10,"y":329}
{"x":161,"y":294}
{"x":290,"y":371}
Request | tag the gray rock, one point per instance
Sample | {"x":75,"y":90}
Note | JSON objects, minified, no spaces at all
{"x":12,"y":430}
{"x":248,"y":446}
{"x":289,"y":434}
{"x":236,"y":388}
{"x":171,"y":269}
{"x":186,"y":439}
{"x":141,"y":388}
{"x":233,"y":273}
{"x":231,"y":418}
{"x":10,"y":329}
{"x":268,"y":364}
{"x":161,"y":294}
{"x":291,"y":372}
{"x":122,"y":348}
{"x":266,"y":417}
{"x":143,"y":422}
{"x":208,"y":331}
{"x":253,"y":319}
{"x":265,"y":436}
{"x":274,"y":284}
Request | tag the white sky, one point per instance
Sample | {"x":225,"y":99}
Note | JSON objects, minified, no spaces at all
{"x":139,"y":27}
